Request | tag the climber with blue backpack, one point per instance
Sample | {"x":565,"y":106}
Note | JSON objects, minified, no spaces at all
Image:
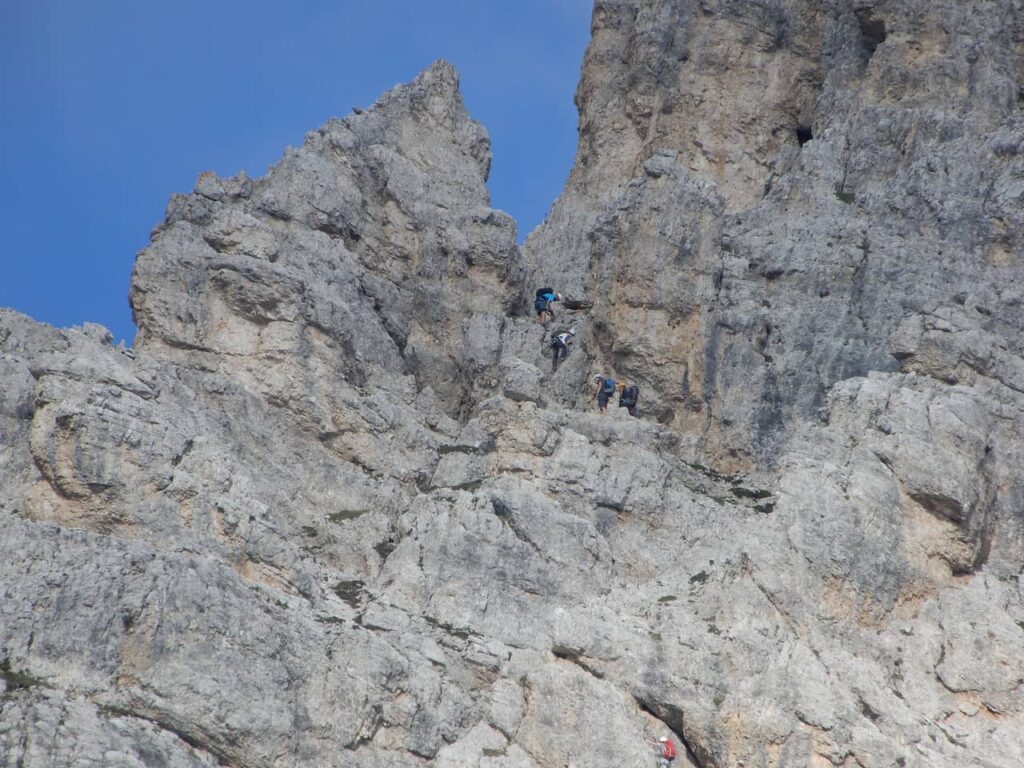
{"x":542,"y":304}
{"x":628,"y":396}
{"x":605,"y":390}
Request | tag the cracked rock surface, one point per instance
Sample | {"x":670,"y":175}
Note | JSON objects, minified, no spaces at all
{"x":334,"y":508}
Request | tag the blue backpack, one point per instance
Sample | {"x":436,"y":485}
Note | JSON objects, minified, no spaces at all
{"x":608,"y":387}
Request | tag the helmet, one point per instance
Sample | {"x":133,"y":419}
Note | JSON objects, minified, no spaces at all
{"x":558,"y":297}
{"x":663,"y":738}
{"x":572,"y":331}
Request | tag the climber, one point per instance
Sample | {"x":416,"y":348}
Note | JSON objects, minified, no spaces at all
{"x":545,"y":297}
{"x":668,"y":752}
{"x":560,"y":347}
{"x":605,"y":389}
{"x":628,"y":397}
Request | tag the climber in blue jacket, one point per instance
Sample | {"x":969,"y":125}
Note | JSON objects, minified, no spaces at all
{"x":545,"y":298}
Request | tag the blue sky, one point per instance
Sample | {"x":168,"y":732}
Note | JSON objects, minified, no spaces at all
{"x":109,"y":106}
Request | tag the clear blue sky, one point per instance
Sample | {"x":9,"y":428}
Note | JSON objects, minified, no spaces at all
{"x":109,"y":106}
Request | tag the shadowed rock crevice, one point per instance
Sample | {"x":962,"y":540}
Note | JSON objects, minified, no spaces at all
{"x":872,"y":31}
{"x":574,"y":657}
{"x":196,"y":742}
{"x":672,"y":717}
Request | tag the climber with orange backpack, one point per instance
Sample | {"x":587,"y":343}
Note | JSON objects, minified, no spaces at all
{"x":627,"y":398}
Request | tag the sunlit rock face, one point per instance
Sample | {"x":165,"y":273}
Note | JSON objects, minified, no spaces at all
{"x":336,"y":508}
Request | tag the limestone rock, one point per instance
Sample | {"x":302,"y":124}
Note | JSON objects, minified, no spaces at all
{"x":336,"y":508}
{"x":372,"y":246}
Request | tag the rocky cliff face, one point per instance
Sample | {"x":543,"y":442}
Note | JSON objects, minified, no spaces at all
{"x":335,"y":509}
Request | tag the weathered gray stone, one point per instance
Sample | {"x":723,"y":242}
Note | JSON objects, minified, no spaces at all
{"x":520,"y":381}
{"x":335,"y":508}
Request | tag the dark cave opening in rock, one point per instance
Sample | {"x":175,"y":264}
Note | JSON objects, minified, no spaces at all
{"x":872,"y":32}
{"x":804,"y":134}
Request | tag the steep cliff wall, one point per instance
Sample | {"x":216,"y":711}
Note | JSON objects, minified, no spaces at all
{"x":772,"y":197}
{"x":335,"y":509}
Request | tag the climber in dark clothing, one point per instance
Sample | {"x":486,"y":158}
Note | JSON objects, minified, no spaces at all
{"x":628,"y":397}
{"x":605,"y":390}
{"x":542,"y":304}
{"x":560,"y":347}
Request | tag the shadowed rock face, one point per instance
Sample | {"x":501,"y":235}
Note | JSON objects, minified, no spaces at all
{"x":335,"y":508}
{"x":770,"y":198}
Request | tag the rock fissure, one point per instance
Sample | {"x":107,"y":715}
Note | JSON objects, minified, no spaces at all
{"x":672,"y":721}
{"x":191,"y":740}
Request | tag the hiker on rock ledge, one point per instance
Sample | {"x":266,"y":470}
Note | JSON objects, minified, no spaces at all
{"x":628,"y":396}
{"x":605,"y":390}
{"x":542,"y":304}
{"x":560,"y":347}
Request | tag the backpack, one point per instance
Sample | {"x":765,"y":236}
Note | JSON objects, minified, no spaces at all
{"x":670,"y":750}
{"x":544,"y":292}
{"x":629,"y":395}
{"x":540,"y":304}
{"x":608,"y":386}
